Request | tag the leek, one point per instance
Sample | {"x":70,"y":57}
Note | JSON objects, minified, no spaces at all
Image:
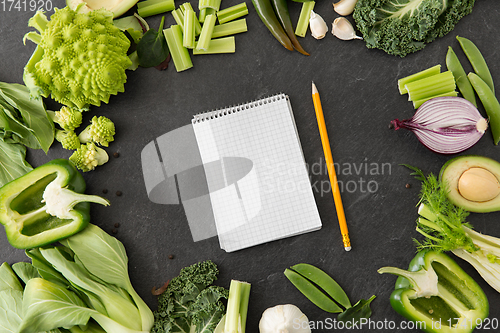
{"x":417,"y":76}
{"x":303,"y":22}
{"x":234,"y":321}
{"x":206,"y":33}
{"x":154,"y":7}
{"x":178,"y":52}
{"x":189,"y":29}
{"x":230,"y":28}
{"x":219,"y":45}
{"x":232,"y":13}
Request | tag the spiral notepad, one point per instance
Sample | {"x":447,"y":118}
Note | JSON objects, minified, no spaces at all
{"x":260,"y":190}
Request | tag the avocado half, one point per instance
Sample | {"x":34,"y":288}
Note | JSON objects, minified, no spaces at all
{"x":117,"y":7}
{"x":452,"y":171}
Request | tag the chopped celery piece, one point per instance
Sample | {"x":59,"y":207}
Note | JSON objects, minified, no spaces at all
{"x":189,"y":29}
{"x":206,"y":11}
{"x":206,"y":33}
{"x":232,"y":13}
{"x":303,"y":22}
{"x":179,"y":54}
{"x":214,"y":4}
{"x":417,"y":76}
{"x":230,"y":28}
{"x":416,"y":104}
{"x":237,"y":307}
{"x":154,"y":7}
{"x":187,"y":6}
{"x":431,"y":86}
{"x":219,"y":45}
{"x":178,"y":15}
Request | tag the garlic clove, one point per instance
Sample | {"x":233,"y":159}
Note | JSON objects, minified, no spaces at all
{"x":343,"y":29}
{"x":284,"y":318}
{"x":318,"y":26}
{"x":344,"y":7}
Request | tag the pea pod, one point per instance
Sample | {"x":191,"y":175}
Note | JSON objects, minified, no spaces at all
{"x":477,"y":61}
{"x":324,"y":281}
{"x":266,"y":13}
{"x":490,"y":103}
{"x":463,"y":83}
{"x":309,"y":290}
{"x":281,"y":9}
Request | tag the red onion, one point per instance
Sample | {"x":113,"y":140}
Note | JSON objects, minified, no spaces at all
{"x":446,"y":125}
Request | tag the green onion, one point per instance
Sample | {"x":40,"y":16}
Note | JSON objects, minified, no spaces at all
{"x":417,"y":76}
{"x":178,"y":15}
{"x":230,"y":28}
{"x":154,"y":7}
{"x":179,"y":53}
{"x":219,"y":45}
{"x":187,"y":6}
{"x":431,"y":86}
{"x":303,"y":22}
{"x":416,"y":104}
{"x":189,"y":29}
{"x":232,"y":13}
{"x":206,"y":33}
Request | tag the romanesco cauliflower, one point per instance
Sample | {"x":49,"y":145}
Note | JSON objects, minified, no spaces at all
{"x":68,"y":139}
{"x":101,"y":131}
{"x":88,"y":157}
{"x":80,"y":58}
{"x":68,"y":118}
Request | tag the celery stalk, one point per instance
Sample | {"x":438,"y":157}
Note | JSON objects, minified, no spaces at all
{"x":178,"y":15}
{"x":417,"y":76}
{"x":244,"y":300}
{"x":416,"y":104}
{"x":232,"y":13}
{"x":206,"y":33}
{"x":303,"y":22}
{"x":233,"y":307}
{"x":230,"y":28}
{"x":179,"y":53}
{"x":185,"y":6}
{"x":208,"y":7}
{"x":219,"y":45}
{"x":431,"y":86}
{"x":154,"y":7}
{"x":189,"y":29}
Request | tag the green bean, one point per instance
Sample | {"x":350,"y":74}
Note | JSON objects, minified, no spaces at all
{"x":324,"y":281}
{"x":477,"y":61}
{"x":309,"y":290}
{"x":463,"y":83}
{"x":490,"y":103}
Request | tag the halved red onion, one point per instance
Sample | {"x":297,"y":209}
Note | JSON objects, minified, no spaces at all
{"x":446,"y":125}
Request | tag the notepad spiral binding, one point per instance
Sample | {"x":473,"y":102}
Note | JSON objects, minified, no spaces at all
{"x":219,"y":113}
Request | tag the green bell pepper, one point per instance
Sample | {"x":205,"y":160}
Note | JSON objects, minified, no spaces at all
{"x":45,"y":205}
{"x":437,"y":292}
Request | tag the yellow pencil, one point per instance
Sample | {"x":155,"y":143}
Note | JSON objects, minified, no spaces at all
{"x":331,"y":168}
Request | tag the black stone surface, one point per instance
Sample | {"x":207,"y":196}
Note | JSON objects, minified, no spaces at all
{"x":359,"y":96}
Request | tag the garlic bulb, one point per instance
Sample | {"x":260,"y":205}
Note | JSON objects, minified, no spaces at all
{"x":343,"y":29}
{"x":317,"y":25}
{"x":344,"y":7}
{"x":284,"y":318}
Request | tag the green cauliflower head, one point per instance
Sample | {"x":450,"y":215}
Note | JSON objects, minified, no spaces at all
{"x":101,"y":131}
{"x":88,"y":157}
{"x":80,"y":58}
{"x":68,"y":139}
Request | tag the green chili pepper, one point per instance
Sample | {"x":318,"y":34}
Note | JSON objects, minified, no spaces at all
{"x":437,"y":292}
{"x":281,"y":9}
{"x":477,"y":61}
{"x":45,"y":205}
{"x":490,"y":103}
{"x":266,"y":13}
{"x":463,"y":83}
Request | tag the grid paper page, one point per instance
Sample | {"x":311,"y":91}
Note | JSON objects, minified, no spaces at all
{"x":274,"y":200}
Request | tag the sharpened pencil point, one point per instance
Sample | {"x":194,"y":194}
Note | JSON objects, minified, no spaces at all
{"x":314,"y":89}
{"x":347,"y":248}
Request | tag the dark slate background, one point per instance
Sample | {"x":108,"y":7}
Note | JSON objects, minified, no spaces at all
{"x":360,"y":97}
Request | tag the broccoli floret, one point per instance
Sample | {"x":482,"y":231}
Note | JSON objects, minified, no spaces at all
{"x":88,"y":157}
{"x":400,"y":27}
{"x":101,"y":131}
{"x":68,"y":118}
{"x":68,"y":139}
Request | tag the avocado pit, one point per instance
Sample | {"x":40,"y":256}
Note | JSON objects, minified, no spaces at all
{"x":478,"y":185}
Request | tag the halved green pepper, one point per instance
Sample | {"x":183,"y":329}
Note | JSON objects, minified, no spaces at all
{"x":45,"y":205}
{"x":436,"y":291}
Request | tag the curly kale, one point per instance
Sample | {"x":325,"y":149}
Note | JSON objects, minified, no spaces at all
{"x":400,"y":27}
{"x":190,"y":303}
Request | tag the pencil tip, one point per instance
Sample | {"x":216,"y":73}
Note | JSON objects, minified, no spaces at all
{"x":314,"y":89}
{"x":347,"y":248}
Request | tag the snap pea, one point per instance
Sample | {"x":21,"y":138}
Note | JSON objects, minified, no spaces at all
{"x":324,"y":281}
{"x":490,"y":103}
{"x":309,"y":290}
{"x":463,"y":83}
{"x":477,"y":61}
